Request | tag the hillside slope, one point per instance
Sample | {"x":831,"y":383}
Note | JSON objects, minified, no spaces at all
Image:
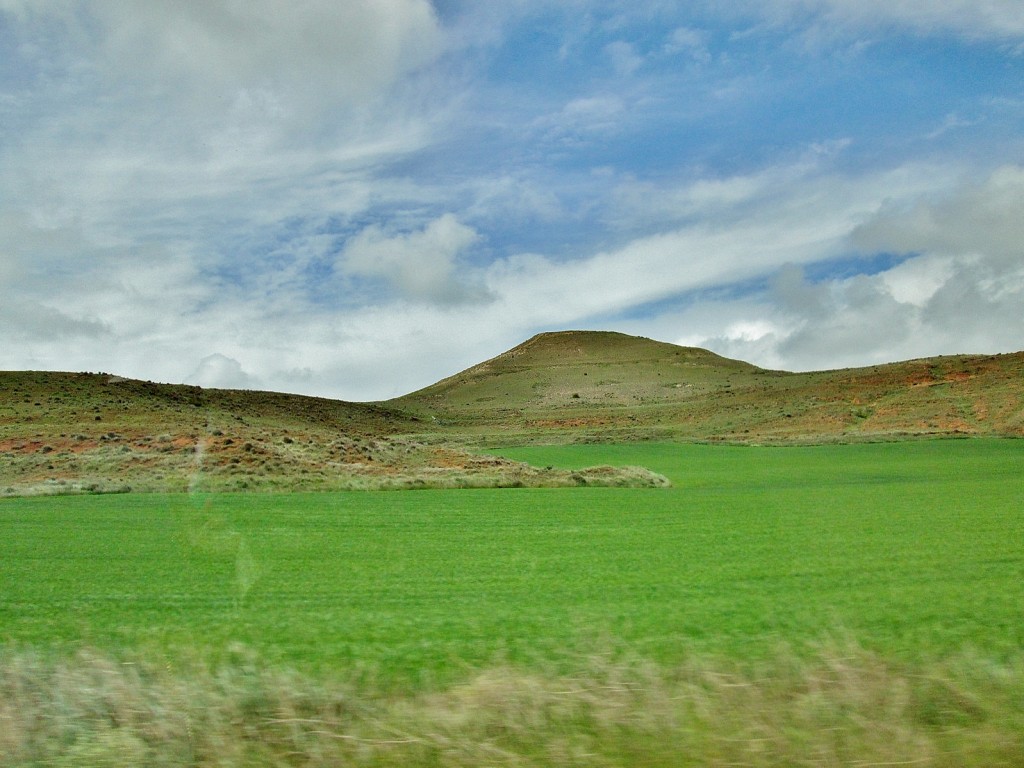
{"x":579,"y":384}
{"x":77,"y":432}
{"x":583,"y":369}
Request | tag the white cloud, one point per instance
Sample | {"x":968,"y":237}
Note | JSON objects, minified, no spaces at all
{"x":518,"y":197}
{"x":624,"y":58}
{"x":185,"y":109}
{"x":593,"y":109}
{"x":581,"y":120}
{"x":689,"y":41}
{"x":422,"y":265}
{"x":315,"y":50}
{"x":637,"y":204}
{"x":750,"y":330}
{"x":802,"y":218}
{"x":962,"y":292}
{"x":841,"y":323}
{"x":221,"y":372}
{"x":34,"y":321}
{"x":983,"y":218}
{"x":973,"y":19}
{"x":951,"y":122}
{"x":916,"y":280}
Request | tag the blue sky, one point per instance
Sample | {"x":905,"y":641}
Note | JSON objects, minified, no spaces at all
{"x":357,"y":199}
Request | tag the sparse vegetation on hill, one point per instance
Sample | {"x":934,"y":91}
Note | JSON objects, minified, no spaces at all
{"x":67,"y":432}
{"x":96,"y":433}
{"x":581,"y":385}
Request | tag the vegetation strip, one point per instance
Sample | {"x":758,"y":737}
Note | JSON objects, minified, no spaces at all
{"x":838,"y":706}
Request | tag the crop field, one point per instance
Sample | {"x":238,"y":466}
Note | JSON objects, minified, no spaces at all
{"x":902,"y":557}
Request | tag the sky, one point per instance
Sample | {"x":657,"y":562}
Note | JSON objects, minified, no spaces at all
{"x":356,"y":199}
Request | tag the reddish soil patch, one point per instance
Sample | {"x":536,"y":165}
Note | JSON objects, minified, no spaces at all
{"x":56,"y":445}
{"x":21,"y":446}
{"x":981,"y":410}
{"x":955,"y":425}
{"x":567,"y":423}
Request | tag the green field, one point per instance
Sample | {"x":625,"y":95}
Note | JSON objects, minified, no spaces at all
{"x":877,"y":584}
{"x":912,"y":548}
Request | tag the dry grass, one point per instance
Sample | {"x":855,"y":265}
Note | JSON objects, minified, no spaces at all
{"x":841,"y":706}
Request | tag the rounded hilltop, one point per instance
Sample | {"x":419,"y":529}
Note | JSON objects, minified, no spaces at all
{"x":590,"y":370}
{"x":574,"y":347}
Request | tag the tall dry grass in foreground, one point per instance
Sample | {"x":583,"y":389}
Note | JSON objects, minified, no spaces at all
{"x":840,"y":706}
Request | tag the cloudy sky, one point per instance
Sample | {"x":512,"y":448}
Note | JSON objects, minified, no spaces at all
{"x":354,"y":199}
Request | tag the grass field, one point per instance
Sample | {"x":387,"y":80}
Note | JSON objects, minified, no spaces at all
{"x":910,"y":547}
{"x":894,"y":564}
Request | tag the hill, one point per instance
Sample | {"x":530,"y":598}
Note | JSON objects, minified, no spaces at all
{"x":581,"y":384}
{"x":80,"y":432}
{"x":68,"y":432}
{"x":594,"y":367}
